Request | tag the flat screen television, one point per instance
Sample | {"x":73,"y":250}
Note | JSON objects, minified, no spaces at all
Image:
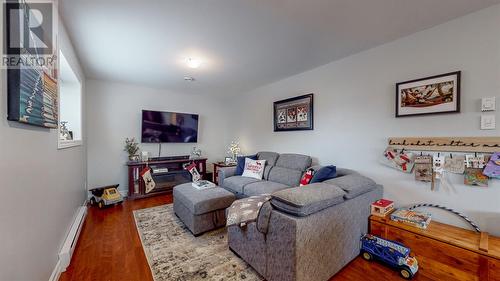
{"x":160,"y":127}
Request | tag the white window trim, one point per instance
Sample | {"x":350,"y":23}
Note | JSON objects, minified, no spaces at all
{"x":64,"y":144}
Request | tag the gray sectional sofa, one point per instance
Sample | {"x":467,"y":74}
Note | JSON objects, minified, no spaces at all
{"x":304,"y":233}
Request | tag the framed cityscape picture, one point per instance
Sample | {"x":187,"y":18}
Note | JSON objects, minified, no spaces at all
{"x":294,"y":114}
{"x":430,"y":95}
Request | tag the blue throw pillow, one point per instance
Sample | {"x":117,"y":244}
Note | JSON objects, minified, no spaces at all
{"x":324,"y":173}
{"x":241,"y":163}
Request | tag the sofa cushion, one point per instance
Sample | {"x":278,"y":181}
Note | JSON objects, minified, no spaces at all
{"x":353,"y":184}
{"x":270,"y":157}
{"x":202,"y":201}
{"x":237,"y":183}
{"x":263,"y":187}
{"x":267,"y":170}
{"x":308,"y":199}
{"x":285,"y":176}
{"x":294,"y":161}
{"x":240,"y":165}
{"x":324,"y":173}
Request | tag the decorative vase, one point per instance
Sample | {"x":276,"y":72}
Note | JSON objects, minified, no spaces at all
{"x":133,"y":158}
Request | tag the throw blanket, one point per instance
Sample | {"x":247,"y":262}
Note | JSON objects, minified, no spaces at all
{"x":246,"y":210}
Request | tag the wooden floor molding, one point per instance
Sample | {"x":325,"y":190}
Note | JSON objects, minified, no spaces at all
{"x":109,"y":248}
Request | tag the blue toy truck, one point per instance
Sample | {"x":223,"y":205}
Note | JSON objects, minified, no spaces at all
{"x":390,"y":252}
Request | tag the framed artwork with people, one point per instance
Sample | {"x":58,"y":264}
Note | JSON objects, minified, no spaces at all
{"x":294,"y":114}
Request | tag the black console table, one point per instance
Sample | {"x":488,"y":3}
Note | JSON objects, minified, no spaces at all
{"x":170,"y":173}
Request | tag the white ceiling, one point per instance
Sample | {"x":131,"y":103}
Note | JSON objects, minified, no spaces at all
{"x":244,"y":43}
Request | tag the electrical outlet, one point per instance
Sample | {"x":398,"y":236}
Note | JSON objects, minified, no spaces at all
{"x":488,"y":122}
{"x":488,"y":104}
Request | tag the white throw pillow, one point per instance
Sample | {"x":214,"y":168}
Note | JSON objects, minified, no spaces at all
{"x":254,"y":168}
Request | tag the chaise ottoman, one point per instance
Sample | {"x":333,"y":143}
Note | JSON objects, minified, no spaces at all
{"x":201,"y":210}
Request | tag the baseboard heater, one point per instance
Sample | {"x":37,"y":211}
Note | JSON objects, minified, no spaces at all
{"x":70,"y":242}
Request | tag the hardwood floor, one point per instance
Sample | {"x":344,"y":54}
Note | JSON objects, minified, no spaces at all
{"x":109,"y":249}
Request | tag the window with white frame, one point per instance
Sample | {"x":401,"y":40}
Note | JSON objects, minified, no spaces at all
{"x":70,"y":105}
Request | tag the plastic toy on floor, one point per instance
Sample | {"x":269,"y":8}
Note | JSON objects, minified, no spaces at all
{"x":389,"y":252}
{"x":105,"y":196}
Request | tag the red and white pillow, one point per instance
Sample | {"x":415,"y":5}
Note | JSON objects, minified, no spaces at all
{"x":307,"y":177}
{"x":254,"y":168}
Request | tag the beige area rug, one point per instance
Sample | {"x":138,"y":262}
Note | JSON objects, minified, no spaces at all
{"x":174,"y":254}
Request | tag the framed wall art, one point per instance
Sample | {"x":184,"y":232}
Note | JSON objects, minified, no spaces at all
{"x":430,"y":95}
{"x":294,"y":114}
{"x":32,"y":78}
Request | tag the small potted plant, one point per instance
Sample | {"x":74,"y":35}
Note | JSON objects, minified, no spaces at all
{"x":132,"y":148}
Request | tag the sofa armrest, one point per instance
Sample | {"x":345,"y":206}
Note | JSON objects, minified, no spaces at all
{"x":224,"y":173}
{"x":345,"y":172}
{"x":306,"y":200}
{"x":353,"y":184}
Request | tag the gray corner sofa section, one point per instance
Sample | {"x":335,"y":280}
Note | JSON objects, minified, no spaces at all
{"x":306,"y":233}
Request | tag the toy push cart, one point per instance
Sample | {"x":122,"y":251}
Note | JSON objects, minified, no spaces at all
{"x":105,"y":196}
{"x":392,"y":253}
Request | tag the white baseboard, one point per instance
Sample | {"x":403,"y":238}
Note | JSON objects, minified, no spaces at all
{"x":69,"y":245}
{"x":124,"y":193}
{"x":56,"y":273}
{"x":74,"y":231}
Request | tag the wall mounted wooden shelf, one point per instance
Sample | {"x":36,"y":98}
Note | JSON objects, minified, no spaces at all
{"x":447,"y":144}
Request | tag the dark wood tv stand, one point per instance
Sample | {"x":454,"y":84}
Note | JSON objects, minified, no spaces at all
{"x":165,"y":180}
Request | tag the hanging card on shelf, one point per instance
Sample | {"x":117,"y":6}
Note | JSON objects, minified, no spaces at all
{"x":454,"y":164}
{"x":438,"y":166}
{"x":492,"y":169}
{"x":423,"y":168}
{"x":475,"y":161}
{"x":401,"y":161}
{"x":474,"y":176}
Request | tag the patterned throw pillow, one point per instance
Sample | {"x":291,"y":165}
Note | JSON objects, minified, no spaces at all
{"x":307,"y":177}
{"x":254,"y":168}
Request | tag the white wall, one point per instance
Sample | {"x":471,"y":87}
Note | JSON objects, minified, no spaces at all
{"x":41,"y":189}
{"x":115,"y":114}
{"x":354,"y":110}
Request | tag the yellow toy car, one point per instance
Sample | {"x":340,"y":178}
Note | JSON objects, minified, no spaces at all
{"x":105,"y":196}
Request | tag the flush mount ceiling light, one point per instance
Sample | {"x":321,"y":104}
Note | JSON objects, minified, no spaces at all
{"x":189,"y":78}
{"x":193,"y":62}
